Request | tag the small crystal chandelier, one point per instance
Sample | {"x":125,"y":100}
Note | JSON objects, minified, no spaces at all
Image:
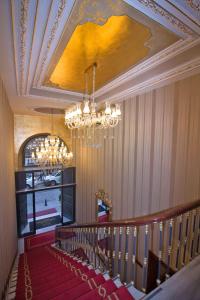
{"x":86,"y":115}
{"x":52,"y":152}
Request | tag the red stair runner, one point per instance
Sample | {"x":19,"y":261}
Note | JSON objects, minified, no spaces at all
{"x":39,"y":240}
{"x":48,"y":273}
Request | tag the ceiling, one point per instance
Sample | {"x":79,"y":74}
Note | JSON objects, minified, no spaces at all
{"x":137,"y":45}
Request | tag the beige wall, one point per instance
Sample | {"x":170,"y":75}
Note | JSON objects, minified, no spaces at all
{"x":8,"y":227}
{"x":26,"y":126}
{"x":154,"y":160}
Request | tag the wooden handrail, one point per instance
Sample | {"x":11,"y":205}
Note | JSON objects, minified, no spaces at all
{"x":161,"y":216}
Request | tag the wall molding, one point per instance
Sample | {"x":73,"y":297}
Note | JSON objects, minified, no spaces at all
{"x":159,"y":58}
{"x":186,"y":69}
{"x":54,"y":28}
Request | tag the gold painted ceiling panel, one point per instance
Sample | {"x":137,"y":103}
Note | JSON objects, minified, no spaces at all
{"x":116,"y":43}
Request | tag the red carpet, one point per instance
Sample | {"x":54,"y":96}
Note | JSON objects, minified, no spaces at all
{"x":39,"y":240}
{"x":46,"y":273}
{"x":43,"y":212}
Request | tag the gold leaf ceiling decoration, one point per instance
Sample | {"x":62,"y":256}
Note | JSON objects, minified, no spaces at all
{"x":116,"y":43}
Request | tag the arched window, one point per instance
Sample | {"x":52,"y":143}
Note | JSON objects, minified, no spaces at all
{"x":29,"y":146}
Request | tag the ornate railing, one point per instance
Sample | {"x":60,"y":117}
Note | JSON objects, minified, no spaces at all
{"x":145,"y":250}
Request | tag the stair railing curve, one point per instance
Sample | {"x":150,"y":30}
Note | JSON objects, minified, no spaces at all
{"x":144,"y":250}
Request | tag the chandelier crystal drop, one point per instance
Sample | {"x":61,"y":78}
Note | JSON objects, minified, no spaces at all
{"x":52,"y":152}
{"x":86,"y":115}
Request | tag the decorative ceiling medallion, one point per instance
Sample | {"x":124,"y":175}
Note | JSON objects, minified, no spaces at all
{"x":169,"y":17}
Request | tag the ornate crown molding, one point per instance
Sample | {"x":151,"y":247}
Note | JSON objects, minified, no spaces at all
{"x":62,"y":5}
{"x":23,"y":31}
{"x":157,"y":9}
{"x":150,"y":63}
{"x":182,"y":71}
{"x":194,"y":4}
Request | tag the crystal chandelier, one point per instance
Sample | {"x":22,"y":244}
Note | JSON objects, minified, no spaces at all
{"x":87,"y":116}
{"x":52,"y":152}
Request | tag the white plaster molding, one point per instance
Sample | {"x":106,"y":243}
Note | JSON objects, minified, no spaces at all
{"x":194,"y":4}
{"x":162,"y":16}
{"x":49,"y":99}
{"x":16,"y":61}
{"x":173,"y":9}
{"x":20,"y":7}
{"x":163,"y":56}
{"x":182,"y":71}
{"x":60,"y":91}
{"x":59,"y":14}
{"x":41,"y":17}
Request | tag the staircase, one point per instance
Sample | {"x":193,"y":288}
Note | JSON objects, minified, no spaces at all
{"x":94,"y":261}
{"x":145,"y":250}
{"x":50,"y":273}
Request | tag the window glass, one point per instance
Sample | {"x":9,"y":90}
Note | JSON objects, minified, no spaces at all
{"x":69,"y":175}
{"x":47,"y":178}
{"x":48,"y":208}
{"x":25,"y":213}
{"x":23,"y":180}
{"x":29,"y":180}
{"x":68,"y":204}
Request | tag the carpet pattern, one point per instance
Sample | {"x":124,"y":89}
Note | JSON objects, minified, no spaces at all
{"x":48,"y":273}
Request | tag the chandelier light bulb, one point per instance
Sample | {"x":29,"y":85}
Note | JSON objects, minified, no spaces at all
{"x":78,"y":109}
{"x":108,"y":109}
{"x":118,"y":110}
{"x":114,"y":114}
{"x":86,"y":109}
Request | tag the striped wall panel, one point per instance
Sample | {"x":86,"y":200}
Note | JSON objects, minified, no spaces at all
{"x":154,"y":160}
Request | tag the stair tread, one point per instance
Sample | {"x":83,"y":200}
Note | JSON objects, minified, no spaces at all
{"x":56,"y":275}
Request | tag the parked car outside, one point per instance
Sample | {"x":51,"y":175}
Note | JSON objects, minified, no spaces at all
{"x":51,"y":180}
{"x":37,"y":182}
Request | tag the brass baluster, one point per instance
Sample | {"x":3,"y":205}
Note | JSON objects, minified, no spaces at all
{"x":96,"y":245}
{"x":119,"y":250}
{"x":178,"y":254}
{"x":158,"y":280}
{"x":110,"y":249}
{"x":114,"y":247}
{"x":192,"y":252}
{"x":92,"y":246}
{"x":134,"y":253}
{"x":187,"y":229}
{"x":145,"y":260}
{"x":169,"y":250}
{"x":88,"y":244}
{"x":126,"y":253}
{"x":85,"y":241}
